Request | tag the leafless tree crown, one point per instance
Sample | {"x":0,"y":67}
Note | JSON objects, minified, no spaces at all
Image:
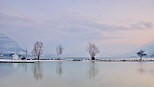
{"x":37,"y":51}
{"x":141,"y":53}
{"x":59,"y":50}
{"x":92,"y":49}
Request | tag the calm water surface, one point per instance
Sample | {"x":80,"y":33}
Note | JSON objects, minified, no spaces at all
{"x":77,"y":74}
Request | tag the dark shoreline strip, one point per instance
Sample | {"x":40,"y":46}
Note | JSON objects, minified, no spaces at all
{"x":14,"y":62}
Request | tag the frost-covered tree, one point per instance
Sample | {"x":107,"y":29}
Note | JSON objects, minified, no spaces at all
{"x":141,"y":54}
{"x":92,"y":50}
{"x":37,"y":51}
{"x":59,"y":50}
{"x":26,"y":53}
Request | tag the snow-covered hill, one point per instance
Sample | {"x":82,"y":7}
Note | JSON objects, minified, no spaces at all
{"x":148,"y":48}
{"x":7,"y":44}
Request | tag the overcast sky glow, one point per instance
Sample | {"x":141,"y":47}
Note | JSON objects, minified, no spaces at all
{"x":115,"y":26}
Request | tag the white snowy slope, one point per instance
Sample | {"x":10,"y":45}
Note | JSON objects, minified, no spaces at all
{"x":7,"y":44}
{"x":148,"y":48}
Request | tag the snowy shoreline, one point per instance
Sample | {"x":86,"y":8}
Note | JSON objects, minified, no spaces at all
{"x":50,"y":60}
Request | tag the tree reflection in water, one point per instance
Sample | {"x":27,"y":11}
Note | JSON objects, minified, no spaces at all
{"x":59,"y":70}
{"x":37,"y":70}
{"x":20,"y":66}
{"x":141,"y":68}
{"x":93,"y":71}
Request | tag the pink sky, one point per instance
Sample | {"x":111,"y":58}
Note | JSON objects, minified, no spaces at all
{"x":116,"y":26}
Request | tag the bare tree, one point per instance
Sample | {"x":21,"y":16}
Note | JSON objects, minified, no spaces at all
{"x":141,"y":54}
{"x":26,"y":54}
{"x":93,"y":50}
{"x":59,"y":50}
{"x":37,"y":51}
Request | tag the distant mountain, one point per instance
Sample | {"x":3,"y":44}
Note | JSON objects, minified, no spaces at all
{"x":148,"y":48}
{"x":7,"y":44}
{"x":48,"y":55}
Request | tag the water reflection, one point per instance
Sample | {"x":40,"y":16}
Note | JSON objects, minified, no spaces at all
{"x":141,"y":69}
{"x":5,"y":70}
{"x":24,"y":66}
{"x":152,"y":72}
{"x":93,"y":71}
{"x":37,"y":71}
{"x":20,"y":66}
{"x":136,"y":74}
{"x":59,"y":69}
{"x":15,"y":65}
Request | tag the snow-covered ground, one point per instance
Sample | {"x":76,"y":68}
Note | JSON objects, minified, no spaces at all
{"x":105,"y":60}
{"x":16,"y":61}
{"x":27,"y":61}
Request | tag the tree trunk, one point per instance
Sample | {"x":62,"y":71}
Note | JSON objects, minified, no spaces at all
{"x":38,"y":57}
{"x":140,"y":58}
{"x":92,"y":58}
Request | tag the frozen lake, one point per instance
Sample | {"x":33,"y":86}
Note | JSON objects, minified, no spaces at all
{"x":77,"y":74}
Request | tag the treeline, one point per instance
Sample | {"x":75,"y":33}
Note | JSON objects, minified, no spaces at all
{"x":92,"y":49}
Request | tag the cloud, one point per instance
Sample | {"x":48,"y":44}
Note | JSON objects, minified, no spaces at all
{"x":66,"y":22}
{"x":141,"y":25}
{"x":15,"y":20}
{"x":72,"y":27}
{"x":110,"y":28}
{"x":80,"y":28}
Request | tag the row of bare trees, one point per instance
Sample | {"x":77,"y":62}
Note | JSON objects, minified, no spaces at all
{"x":91,"y":49}
{"x":38,"y":50}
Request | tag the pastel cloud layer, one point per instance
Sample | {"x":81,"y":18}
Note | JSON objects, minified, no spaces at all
{"x":116,"y":26}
